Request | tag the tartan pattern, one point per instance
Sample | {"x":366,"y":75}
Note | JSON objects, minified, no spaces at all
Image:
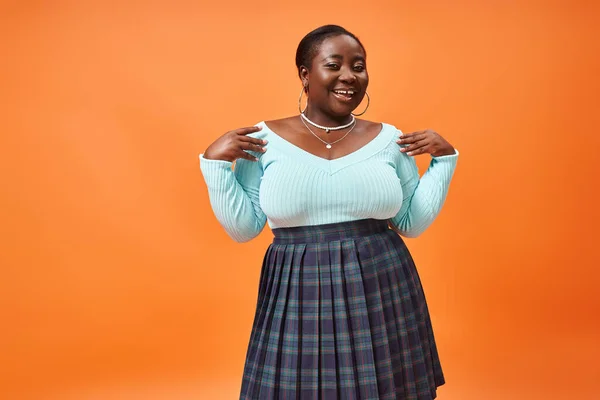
{"x":341,"y":314}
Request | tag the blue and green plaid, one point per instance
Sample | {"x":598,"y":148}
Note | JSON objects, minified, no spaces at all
{"x":341,"y":314}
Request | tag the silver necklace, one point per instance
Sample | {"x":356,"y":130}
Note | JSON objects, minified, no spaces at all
{"x":327,"y":144}
{"x":327,"y":129}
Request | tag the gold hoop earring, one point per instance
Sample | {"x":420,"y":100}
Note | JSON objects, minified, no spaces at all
{"x":300,"y":100}
{"x":368,"y":102}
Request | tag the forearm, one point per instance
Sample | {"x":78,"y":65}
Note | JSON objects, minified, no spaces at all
{"x":236,"y":209}
{"x":425,"y":197}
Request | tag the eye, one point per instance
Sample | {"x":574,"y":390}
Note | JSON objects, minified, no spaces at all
{"x":359,"y":68}
{"x":332,"y":66}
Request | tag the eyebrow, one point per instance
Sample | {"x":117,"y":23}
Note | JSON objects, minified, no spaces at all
{"x":340,"y":57}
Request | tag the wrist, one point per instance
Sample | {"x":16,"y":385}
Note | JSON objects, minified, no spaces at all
{"x":447,"y":151}
{"x":209,"y":155}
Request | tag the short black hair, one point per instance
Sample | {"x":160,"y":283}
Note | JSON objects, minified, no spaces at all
{"x":309,"y":45}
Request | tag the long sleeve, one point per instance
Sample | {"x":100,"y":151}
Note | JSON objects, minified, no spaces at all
{"x":234,"y":195}
{"x":422,"y":198}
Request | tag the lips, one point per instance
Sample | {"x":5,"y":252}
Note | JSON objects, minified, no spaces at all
{"x":344,"y":94}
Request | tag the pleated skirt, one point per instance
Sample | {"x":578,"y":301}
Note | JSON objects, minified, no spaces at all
{"x":341,"y":315}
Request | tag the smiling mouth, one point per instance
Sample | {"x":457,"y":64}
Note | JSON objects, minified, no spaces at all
{"x":345,"y":95}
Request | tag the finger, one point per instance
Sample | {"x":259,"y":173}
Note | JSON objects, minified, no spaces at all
{"x":253,"y":140}
{"x":247,"y":156}
{"x":411,"y":138}
{"x":420,"y":150}
{"x":247,"y":130}
{"x":415,"y":145}
{"x":414,"y":133}
{"x":252,"y":147}
{"x":415,"y":148}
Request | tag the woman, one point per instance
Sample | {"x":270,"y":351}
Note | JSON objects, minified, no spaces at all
{"x":341,"y":313}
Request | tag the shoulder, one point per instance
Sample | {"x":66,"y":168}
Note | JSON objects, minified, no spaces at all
{"x":391,"y":134}
{"x":273,"y":129}
{"x":282,"y":121}
{"x":368,"y":124}
{"x":282,"y":124}
{"x":383,"y":127}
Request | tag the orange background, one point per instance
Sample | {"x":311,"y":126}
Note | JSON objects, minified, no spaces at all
{"x":118,"y":282}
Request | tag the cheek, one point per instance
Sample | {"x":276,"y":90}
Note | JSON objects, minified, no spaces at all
{"x":322,"y":84}
{"x":365,"y":79}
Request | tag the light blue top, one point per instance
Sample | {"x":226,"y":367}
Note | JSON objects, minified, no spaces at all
{"x":290,"y":187}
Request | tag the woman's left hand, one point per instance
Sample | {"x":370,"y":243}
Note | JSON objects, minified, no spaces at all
{"x":427,"y":141}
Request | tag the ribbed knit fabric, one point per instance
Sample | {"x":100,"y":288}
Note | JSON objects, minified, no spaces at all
{"x":290,"y":187}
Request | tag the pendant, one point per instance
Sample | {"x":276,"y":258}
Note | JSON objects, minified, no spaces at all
{"x":328,"y":146}
{"x":326,"y":130}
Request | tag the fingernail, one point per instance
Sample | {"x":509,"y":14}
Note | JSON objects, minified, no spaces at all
{"x":403,"y":149}
{"x":410,"y":153}
{"x":265,"y":141}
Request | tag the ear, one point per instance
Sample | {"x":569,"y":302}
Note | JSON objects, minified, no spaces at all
{"x":303,"y":73}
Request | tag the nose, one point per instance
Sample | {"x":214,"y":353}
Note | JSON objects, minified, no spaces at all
{"x":347,"y":75}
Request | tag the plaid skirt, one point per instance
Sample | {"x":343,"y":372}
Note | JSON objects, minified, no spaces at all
{"x":341,"y":315}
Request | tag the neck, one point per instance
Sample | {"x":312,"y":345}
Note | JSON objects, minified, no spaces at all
{"x":324,"y":119}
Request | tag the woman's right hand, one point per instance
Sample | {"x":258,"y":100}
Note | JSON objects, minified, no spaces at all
{"x":233,"y":144}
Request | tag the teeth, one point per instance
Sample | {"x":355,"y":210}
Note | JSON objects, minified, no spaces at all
{"x":350,"y":92}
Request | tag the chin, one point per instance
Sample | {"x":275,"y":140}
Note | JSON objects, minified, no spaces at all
{"x":342,"y":111}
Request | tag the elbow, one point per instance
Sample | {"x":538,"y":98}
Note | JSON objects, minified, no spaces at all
{"x":408,"y":231}
{"x":243,"y":235}
{"x":242,"y":238}
{"x":412,"y":233}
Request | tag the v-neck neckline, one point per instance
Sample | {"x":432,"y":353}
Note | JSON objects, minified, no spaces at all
{"x":373,"y":146}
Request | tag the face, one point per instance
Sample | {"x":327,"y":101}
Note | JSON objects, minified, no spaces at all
{"x":337,"y":79}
